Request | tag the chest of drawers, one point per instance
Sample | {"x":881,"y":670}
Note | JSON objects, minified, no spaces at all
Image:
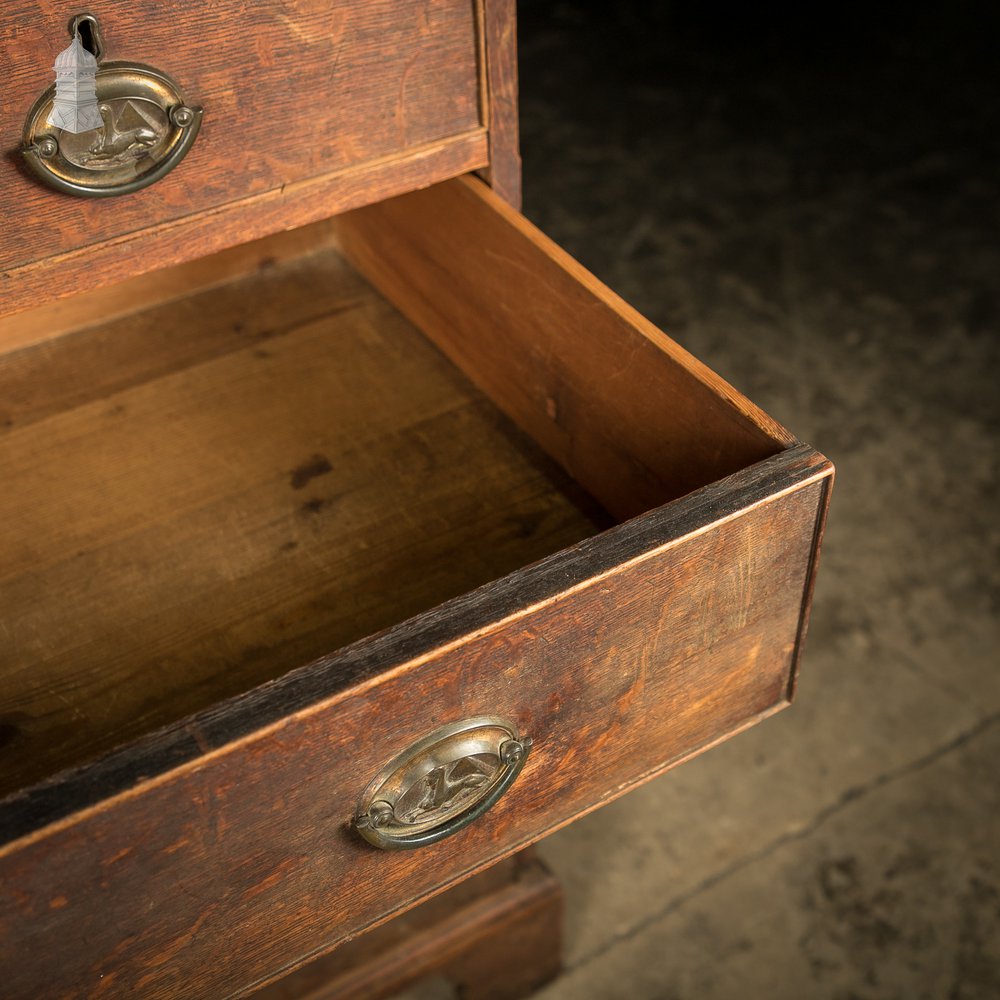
{"x":316,"y":447}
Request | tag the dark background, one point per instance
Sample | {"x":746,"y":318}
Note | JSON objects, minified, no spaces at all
{"x":807,"y":198}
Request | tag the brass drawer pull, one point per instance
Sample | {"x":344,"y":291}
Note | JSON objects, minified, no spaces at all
{"x":105,"y":129}
{"x":441,"y":784}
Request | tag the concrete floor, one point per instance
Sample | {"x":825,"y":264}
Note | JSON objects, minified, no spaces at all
{"x":815,"y":216}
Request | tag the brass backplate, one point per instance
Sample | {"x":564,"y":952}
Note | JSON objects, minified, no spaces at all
{"x":441,"y":784}
{"x":148,"y":128}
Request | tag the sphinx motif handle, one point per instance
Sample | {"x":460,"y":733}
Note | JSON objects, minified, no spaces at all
{"x":106,"y":128}
{"x":441,"y":784}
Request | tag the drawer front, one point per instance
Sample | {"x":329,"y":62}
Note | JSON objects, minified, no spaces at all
{"x":310,"y":107}
{"x":618,"y":658}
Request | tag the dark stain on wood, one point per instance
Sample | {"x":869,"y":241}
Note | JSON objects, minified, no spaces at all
{"x":314,"y":505}
{"x":9,"y":731}
{"x":313,"y":468}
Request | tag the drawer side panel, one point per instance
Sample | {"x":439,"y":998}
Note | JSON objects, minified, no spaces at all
{"x":624,"y":409}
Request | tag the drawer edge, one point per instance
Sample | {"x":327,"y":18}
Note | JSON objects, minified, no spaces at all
{"x":237,"y":222}
{"x":819,"y":530}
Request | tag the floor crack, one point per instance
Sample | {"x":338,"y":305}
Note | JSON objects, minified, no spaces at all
{"x":846,"y":798}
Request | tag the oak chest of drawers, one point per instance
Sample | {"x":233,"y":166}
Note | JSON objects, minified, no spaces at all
{"x":313,"y":453}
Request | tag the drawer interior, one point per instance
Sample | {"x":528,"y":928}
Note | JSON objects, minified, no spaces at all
{"x":214,"y":477}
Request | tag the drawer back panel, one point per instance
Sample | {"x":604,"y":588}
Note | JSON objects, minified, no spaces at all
{"x":311,"y":106}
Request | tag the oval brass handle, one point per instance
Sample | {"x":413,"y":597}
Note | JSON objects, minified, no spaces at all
{"x":441,"y":784}
{"x":105,"y":129}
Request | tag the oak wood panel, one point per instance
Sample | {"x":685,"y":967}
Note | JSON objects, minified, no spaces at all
{"x":169,"y":284}
{"x":210,"y":493}
{"x":291,"y":90}
{"x":499,"y":19}
{"x":295,"y":204}
{"x":632,"y":416}
{"x":497,"y":935}
{"x":622,"y":655}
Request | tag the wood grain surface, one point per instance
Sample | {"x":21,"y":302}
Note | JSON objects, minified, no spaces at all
{"x":274,"y":467}
{"x":499,"y":20}
{"x":168,"y":284}
{"x":495,"y":936}
{"x":294,"y":92}
{"x":220,"y":489}
{"x":632,"y":416}
{"x":190,"y":237}
{"x":620,"y":656}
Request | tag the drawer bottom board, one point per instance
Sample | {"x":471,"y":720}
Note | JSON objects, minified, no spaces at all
{"x":219,"y":489}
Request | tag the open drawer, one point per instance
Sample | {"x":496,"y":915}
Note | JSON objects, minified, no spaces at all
{"x":266,"y":533}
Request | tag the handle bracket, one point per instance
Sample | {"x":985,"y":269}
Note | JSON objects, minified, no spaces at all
{"x":106,"y":129}
{"x":441,"y":784}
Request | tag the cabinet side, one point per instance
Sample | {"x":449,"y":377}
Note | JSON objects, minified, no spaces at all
{"x":498,"y":71}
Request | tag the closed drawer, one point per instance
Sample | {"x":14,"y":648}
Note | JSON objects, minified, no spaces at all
{"x":536,"y":508}
{"x":310,"y":108}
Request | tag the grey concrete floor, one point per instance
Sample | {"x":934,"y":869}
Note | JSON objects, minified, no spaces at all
{"x":816,"y":217}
